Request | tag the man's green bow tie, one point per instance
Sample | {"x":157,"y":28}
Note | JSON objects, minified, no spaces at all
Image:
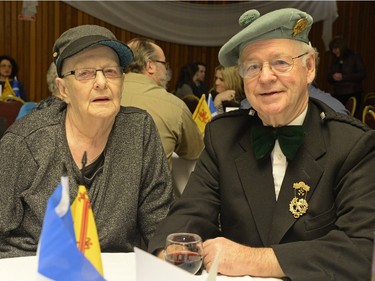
{"x":264,"y":137}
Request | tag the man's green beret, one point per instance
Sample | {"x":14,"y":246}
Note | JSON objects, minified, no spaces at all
{"x":284,"y":23}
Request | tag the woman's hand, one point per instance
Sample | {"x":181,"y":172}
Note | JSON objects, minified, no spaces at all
{"x":227,"y":95}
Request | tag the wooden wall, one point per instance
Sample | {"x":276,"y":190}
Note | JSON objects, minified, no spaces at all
{"x":30,"y":43}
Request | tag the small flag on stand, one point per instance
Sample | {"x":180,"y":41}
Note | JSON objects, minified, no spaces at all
{"x":8,"y":93}
{"x":202,"y":114}
{"x":16,"y":87}
{"x":58,"y":255}
{"x":8,"y":90}
{"x":84,"y":223}
{"x":211,"y":106}
{"x":85,"y":229}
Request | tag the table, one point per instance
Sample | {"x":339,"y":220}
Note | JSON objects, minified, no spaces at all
{"x":117,"y":267}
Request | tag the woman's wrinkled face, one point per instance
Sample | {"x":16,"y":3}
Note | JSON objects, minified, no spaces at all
{"x":96,"y":97}
{"x":5,"y":68}
{"x":219,"y":82}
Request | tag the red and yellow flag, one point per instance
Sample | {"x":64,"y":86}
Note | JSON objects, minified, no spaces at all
{"x":8,"y":93}
{"x":8,"y":90}
{"x":85,"y":229}
{"x":202,"y":114}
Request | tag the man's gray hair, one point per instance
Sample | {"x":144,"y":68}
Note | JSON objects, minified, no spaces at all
{"x":143,"y":50}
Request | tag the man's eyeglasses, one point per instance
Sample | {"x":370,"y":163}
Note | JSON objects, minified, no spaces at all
{"x":251,"y":69}
{"x":90,"y":73}
{"x":166,"y":64}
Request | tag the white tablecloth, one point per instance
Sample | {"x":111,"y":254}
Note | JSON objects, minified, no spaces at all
{"x":117,"y":267}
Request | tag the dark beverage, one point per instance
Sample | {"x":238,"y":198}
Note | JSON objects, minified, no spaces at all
{"x":185,"y":260}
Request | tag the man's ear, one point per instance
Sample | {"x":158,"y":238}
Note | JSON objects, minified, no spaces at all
{"x":62,"y":89}
{"x":310,"y":67}
{"x":150,"y":67}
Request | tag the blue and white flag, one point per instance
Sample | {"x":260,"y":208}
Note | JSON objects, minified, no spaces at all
{"x":58,"y":255}
{"x":211,"y":105}
{"x":16,"y":87}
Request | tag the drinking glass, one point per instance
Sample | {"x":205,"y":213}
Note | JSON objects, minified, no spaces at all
{"x":185,"y":251}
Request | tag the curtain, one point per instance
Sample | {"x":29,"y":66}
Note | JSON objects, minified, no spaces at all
{"x":196,"y":24}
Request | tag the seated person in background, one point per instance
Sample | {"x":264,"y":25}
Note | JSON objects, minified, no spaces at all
{"x":199,"y":86}
{"x":316,"y":93}
{"x":127,"y":175}
{"x":184,"y":84}
{"x":144,"y":87}
{"x":52,"y":88}
{"x":48,"y":101}
{"x":9,"y":71}
{"x":329,"y":100}
{"x":287,"y":188}
{"x":228,"y":88}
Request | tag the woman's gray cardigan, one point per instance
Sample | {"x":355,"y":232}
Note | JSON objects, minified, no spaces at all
{"x":129,"y":197}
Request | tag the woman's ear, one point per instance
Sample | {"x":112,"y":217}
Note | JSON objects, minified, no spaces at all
{"x":62,"y":89}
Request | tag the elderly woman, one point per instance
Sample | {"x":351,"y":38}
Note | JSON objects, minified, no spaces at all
{"x":126,"y":173}
{"x":9,"y":71}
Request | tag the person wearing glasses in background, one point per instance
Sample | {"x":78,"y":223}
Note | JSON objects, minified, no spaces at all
{"x":126,"y":173}
{"x":145,"y":85}
{"x":285,"y":189}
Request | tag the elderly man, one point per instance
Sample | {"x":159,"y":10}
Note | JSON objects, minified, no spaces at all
{"x":145,"y":87}
{"x":285,"y":189}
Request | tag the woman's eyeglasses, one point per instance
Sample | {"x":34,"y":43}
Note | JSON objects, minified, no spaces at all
{"x":90,"y":73}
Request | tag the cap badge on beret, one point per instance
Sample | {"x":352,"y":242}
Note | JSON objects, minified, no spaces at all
{"x":55,"y":54}
{"x":300,"y":26}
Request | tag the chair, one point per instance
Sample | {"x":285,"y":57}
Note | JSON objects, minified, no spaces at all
{"x":351,"y":105}
{"x":369,"y":95}
{"x":9,"y":111}
{"x":2,"y":126}
{"x":368,"y":116}
{"x":369,"y":99}
{"x":181,"y":170}
{"x":191,"y":101}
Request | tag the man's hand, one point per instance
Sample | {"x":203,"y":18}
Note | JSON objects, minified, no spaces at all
{"x":238,"y":260}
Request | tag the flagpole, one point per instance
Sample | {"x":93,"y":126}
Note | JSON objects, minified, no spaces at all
{"x":86,"y":205}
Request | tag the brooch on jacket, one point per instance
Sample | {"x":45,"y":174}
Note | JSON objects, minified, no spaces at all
{"x":298,"y":206}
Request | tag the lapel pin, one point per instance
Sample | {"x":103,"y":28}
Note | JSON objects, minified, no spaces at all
{"x":298,"y":206}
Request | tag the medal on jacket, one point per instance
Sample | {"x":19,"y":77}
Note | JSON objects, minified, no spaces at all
{"x":298,"y":206}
